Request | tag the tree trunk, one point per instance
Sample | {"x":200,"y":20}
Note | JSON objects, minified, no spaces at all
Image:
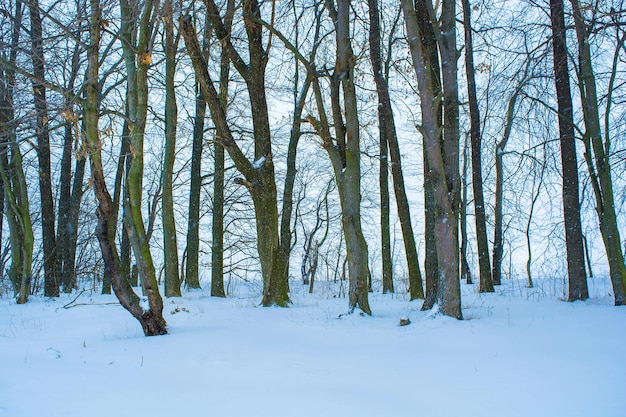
{"x":442,"y":157}
{"x":15,"y":193}
{"x":52,"y":267}
{"x":571,"y":206}
{"x":66,"y":230}
{"x":138,"y":60}
{"x":498,"y":239}
{"x":383,"y":180}
{"x":348,"y":171}
{"x":152,"y":321}
{"x":600,"y":169}
{"x":217,"y":246}
{"x":170,"y":245}
{"x":466,"y":273}
{"x":259,"y":176}
{"x":192,"y":276}
{"x":485,"y":283}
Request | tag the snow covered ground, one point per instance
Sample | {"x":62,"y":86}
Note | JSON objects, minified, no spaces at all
{"x":521,"y":352}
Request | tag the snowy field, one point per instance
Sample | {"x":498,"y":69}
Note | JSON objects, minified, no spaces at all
{"x":521,"y":352}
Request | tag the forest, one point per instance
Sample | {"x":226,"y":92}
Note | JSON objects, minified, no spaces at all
{"x":149,"y":148}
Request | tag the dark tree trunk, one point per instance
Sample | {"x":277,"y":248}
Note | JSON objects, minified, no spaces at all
{"x":349,"y":177}
{"x":192,"y":275}
{"x":571,"y":206}
{"x":385,"y":116}
{"x":217,"y":245}
{"x":485,"y":283}
{"x":52,"y":267}
{"x":466,"y":273}
{"x":66,"y":230}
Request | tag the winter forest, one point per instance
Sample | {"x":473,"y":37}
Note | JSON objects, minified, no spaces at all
{"x":407,"y":167}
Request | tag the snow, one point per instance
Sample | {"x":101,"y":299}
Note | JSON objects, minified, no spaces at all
{"x":519,"y":352}
{"x":258,"y":164}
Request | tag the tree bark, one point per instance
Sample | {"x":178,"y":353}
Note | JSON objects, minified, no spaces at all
{"x":485,"y":279}
{"x":217,"y":246}
{"x":466,"y":273}
{"x":259,"y":177}
{"x":170,"y":245}
{"x":442,"y":157}
{"x":151,"y":320}
{"x":577,"y":288}
{"x":70,"y":190}
{"x":192,"y":276}
{"x":15,"y":196}
{"x":138,"y":60}
{"x":599,"y":166}
{"x":348,"y":174}
{"x":383,"y":175}
{"x":52,"y":267}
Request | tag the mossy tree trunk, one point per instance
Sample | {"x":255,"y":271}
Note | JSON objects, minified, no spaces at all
{"x":17,"y":211}
{"x":344,"y":150}
{"x":151,"y":320}
{"x":597,"y":153}
{"x":170,"y":246}
{"x":258,"y":176}
{"x":138,"y":58}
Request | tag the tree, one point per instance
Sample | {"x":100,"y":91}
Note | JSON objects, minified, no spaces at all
{"x":151,"y":320}
{"x":52,"y":267}
{"x":577,"y":288}
{"x":258,"y":174}
{"x":389,"y":139}
{"x":21,"y":234}
{"x":596,"y":154}
{"x":345,"y":153}
{"x":300,"y":94}
{"x":192,"y":277}
{"x":485,"y":279}
{"x":170,"y":246}
{"x":217,"y":245}
{"x":498,"y":239}
{"x":70,"y":189}
{"x":442,"y":152}
{"x":136,"y":36}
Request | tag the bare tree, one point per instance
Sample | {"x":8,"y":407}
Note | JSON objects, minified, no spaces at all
{"x":485,"y":278}
{"x":442,"y":152}
{"x":389,"y":139}
{"x":571,"y":204}
{"x":151,"y":320}
{"x":170,"y":246}
{"x":596,"y":155}
{"x":259,"y":177}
